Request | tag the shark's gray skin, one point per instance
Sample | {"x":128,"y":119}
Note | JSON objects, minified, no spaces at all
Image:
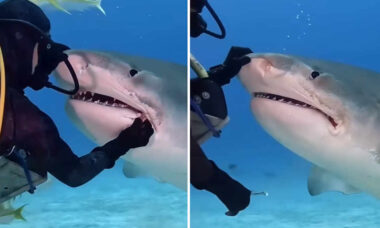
{"x":135,"y":87}
{"x":331,"y":119}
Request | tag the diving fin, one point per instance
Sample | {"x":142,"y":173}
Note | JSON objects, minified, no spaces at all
{"x":321,"y":180}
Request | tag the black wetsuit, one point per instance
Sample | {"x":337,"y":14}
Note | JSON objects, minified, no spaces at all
{"x":204,"y":173}
{"x":32,"y":130}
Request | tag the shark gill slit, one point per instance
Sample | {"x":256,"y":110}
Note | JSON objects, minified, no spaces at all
{"x":291,"y":101}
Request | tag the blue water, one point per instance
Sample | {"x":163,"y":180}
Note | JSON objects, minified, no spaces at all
{"x":344,"y":31}
{"x":148,"y":28}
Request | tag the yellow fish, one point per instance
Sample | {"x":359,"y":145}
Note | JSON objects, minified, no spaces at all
{"x":8,"y":214}
{"x":71,"y":5}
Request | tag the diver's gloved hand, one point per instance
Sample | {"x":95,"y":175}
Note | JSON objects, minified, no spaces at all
{"x":234,"y":195}
{"x":50,"y":54}
{"x":231,"y":66}
{"x":137,"y":135}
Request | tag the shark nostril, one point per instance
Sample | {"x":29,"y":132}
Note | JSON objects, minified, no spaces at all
{"x":84,"y":67}
{"x":265,"y":65}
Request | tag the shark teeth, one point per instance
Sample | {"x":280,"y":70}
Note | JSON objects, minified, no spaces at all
{"x":294,"y":102}
{"x":282,"y":99}
{"x":101,"y":99}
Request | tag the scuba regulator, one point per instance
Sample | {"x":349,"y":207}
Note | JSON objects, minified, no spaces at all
{"x":50,"y":54}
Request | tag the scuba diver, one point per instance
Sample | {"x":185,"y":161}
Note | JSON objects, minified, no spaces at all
{"x":29,"y":140}
{"x":209,"y":115}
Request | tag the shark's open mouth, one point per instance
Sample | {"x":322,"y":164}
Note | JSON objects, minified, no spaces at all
{"x":291,"y":101}
{"x":101,"y":99}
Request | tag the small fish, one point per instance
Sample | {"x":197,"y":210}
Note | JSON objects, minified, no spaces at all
{"x":8,"y":214}
{"x":71,"y":5}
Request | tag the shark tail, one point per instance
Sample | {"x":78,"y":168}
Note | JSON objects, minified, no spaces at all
{"x":56,"y":4}
{"x":18,"y":213}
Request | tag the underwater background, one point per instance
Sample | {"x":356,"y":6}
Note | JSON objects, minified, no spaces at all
{"x":148,"y":28}
{"x":343,"y":31}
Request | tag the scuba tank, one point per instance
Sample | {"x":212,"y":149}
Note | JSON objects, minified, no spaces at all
{"x":15,"y":178}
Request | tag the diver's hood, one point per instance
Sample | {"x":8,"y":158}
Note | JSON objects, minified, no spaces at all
{"x":50,"y":53}
{"x":13,"y":181}
{"x":24,"y":11}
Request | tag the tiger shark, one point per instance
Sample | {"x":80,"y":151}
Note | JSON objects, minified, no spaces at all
{"x":117,"y":89}
{"x":326,"y":112}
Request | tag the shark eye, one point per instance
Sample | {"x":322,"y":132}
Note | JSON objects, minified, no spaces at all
{"x":133,"y":72}
{"x":314,"y":74}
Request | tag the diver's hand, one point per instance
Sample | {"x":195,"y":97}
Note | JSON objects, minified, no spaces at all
{"x":137,"y":135}
{"x":235,"y":60}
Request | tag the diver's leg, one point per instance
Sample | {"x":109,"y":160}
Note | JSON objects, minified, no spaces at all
{"x":201,"y":170}
{"x":205,"y":175}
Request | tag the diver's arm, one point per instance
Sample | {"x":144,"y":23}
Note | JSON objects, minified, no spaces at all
{"x":75,"y":171}
{"x":34,"y":131}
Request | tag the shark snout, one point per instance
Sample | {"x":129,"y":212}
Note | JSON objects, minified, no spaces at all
{"x":83,"y":68}
{"x":261,"y":65}
{"x":253,"y":74}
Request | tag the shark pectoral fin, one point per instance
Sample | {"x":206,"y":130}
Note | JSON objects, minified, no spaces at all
{"x":131,"y":170}
{"x":321,"y":180}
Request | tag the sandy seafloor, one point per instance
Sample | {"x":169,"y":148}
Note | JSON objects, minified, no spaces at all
{"x":288,"y":204}
{"x":343,"y":31}
{"x":110,"y":200}
{"x":145,"y":28}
